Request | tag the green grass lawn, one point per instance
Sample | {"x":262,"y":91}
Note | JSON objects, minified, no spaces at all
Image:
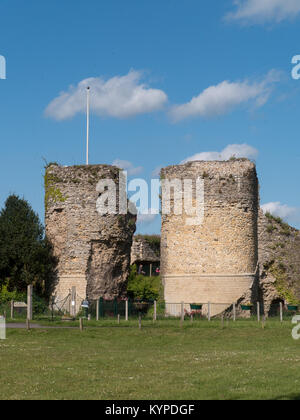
{"x":160,"y":361}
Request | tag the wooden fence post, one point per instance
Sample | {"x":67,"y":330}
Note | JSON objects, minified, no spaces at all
{"x":258,"y":312}
{"x":12,"y":309}
{"x":281,"y":312}
{"x":126,"y":310}
{"x":140,"y":321}
{"x":234,"y":312}
{"x":97,"y":309}
{"x":73,"y":302}
{"x":118,"y":318}
{"x":2,"y":328}
{"x":208,"y":311}
{"x":263,"y":322}
{"x":182,"y":313}
{"x":29,"y":303}
{"x":80,"y":324}
{"x":155,"y":311}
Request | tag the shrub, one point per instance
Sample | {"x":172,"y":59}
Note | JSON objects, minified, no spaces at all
{"x":143,"y":288}
{"x":271,"y":228}
{"x":7,"y":296}
{"x":39,"y":305}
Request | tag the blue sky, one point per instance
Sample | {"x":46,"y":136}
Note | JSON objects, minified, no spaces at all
{"x":146,"y":61}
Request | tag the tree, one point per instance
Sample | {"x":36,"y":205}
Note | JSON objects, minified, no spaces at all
{"x":25,"y":253}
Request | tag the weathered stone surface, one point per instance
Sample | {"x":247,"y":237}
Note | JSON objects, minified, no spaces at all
{"x":142,"y":251}
{"x":218,"y":260}
{"x":93,"y":250}
{"x":279,"y":260}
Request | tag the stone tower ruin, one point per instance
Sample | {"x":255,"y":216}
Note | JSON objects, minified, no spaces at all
{"x":217,"y":260}
{"x":93,"y":250}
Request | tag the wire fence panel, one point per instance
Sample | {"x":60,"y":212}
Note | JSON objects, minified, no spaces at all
{"x":108,"y":308}
{"x":60,"y":307}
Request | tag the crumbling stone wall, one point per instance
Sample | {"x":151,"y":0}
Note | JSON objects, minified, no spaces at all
{"x":93,"y":251}
{"x":216,"y":261}
{"x":142,"y":251}
{"x":279,"y":261}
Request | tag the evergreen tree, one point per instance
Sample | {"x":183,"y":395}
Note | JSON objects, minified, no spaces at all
{"x":25,"y":254}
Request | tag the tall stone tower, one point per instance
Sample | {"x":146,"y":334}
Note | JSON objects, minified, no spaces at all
{"x":93,"y":250}
{"x":216,"y":260}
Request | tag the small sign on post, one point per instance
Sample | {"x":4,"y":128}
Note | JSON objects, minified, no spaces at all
{"x":20,"y":305}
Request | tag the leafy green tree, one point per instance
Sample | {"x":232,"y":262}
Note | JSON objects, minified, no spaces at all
{"x":25,"y":254}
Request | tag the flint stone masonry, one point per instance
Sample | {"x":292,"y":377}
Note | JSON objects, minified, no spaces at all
{"x":216,"y":261}
{"x":279,"y":250}
{"x":93,"y":250}
{"x":142,"y":251}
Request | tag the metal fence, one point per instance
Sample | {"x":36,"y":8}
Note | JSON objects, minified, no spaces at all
{"x":74,"y":306}
{"x":128,"y":308}
{"x":105,"y":308}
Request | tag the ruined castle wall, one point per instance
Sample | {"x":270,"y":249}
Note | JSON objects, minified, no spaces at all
{"x":93,"y":250}
{"x":142,"y":251}
{"x":279,"y":250}
{"x":215,"y":261}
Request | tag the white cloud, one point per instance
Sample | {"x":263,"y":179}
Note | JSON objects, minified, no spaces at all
{"x":281,"y":210}
{"x":232,"y":150}
{"x":260,"y":11}
{"x":119,"y":97}
{"x":147,"y":218}
{"x":128,"y":166}
{"x":156,"y":172}
{"x":222,"y":98}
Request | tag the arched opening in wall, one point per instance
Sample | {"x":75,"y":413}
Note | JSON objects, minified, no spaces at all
{"x":275,"y":307}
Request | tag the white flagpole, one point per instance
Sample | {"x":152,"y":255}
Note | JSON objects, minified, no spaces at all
{"x":87,"y":123}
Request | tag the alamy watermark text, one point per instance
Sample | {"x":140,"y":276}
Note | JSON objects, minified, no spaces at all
{"x":2,"y":67}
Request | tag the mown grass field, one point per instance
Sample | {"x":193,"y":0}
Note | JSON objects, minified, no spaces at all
{"x":161,"y":361}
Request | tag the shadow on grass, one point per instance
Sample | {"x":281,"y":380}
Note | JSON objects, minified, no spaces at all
{"x":290,"y":397}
